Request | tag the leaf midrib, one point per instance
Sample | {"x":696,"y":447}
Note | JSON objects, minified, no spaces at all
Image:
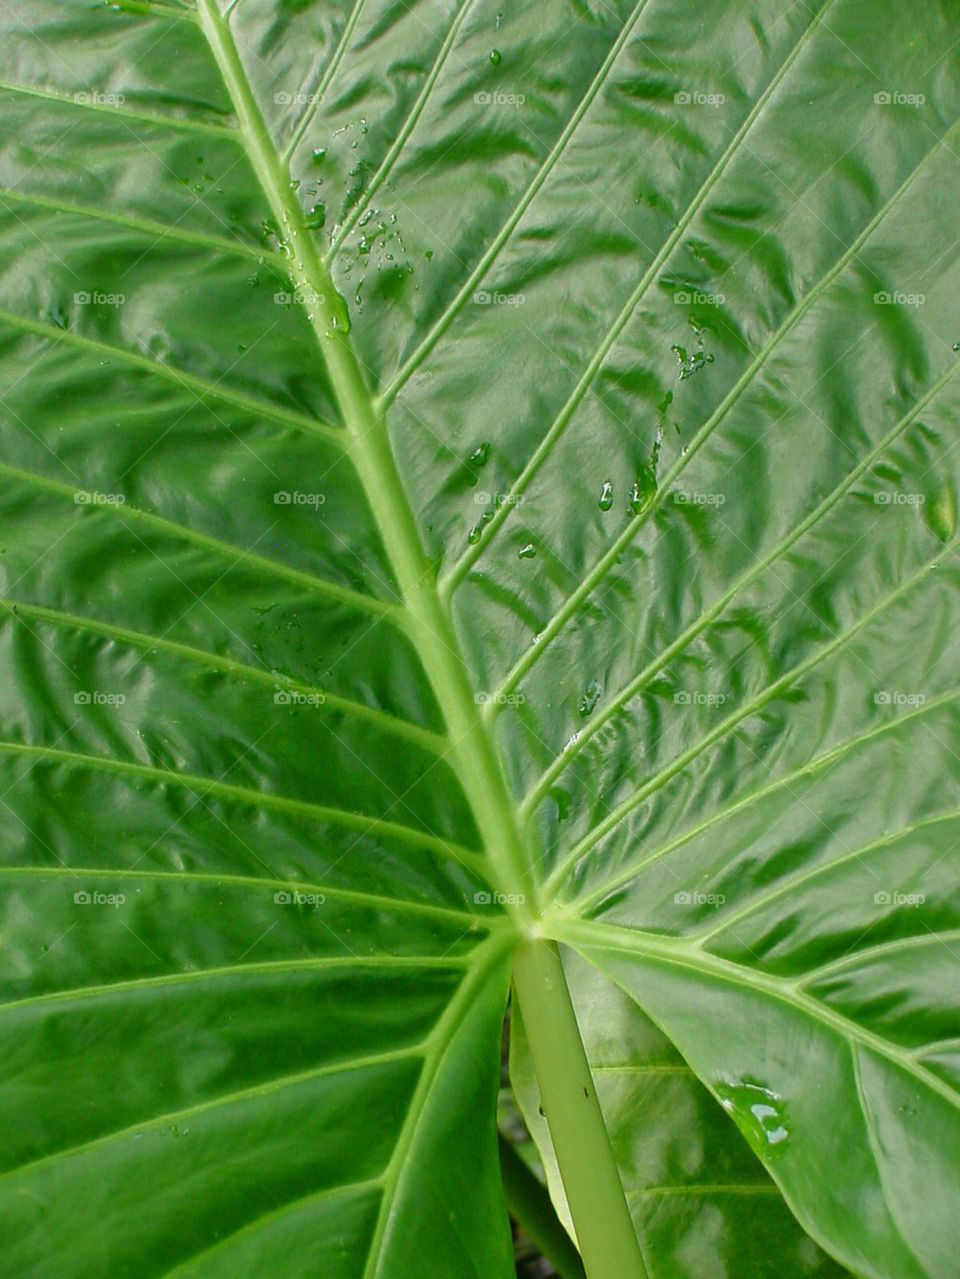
{"x":430,"y":626}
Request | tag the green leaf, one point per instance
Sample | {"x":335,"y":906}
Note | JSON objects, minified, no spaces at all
{"x":474,"y":479}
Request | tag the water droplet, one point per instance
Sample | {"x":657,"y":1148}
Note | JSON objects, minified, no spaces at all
{"x":590,"y":698}
{"x":319,"y":155}
{"x":527,"y":552}
{"x":495,"y":57}
{"x":476,"y":532}
{"x":758,"y":1112}
{"x":692,"y":363}
{"x":480,"y":454}
{"x":428,"y":254}
{"x":939,"y":513}
{"x":316,"y":217}
{"x":642,"y":491}
{"x":606,"y":496}
{"x":956,"y":346}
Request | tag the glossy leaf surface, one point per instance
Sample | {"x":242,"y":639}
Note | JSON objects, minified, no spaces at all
{"x":454,"y":454}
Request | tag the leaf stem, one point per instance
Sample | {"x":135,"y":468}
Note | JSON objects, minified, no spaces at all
{"x":531,"y":1207}
{"x":608,"y":1241}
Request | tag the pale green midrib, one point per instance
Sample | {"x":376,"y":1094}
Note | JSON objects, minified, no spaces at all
{"x":437,"y":1046}
{"x":264,"y":1089}
{"x":755,"y":704}
{"x":630,"y":870}
{"x":435,"y":743}
{"x":204,"y":786}
{"x":124,"y":113}
{"x":403,"y":133}
{"x":229,"y":880}
{"x":430,"y":628}
{"x":559,"y":424}
{"x":78,"y":994}
{"x":164,"y":230}
{"x":187,"y":1269}
{"x":326,"y":76}
{"x":790,"y":882}
{"x":344,"y":594}
{"x":616,"y":703}
{"x":586,"y":936}
{"x":201,"y":387}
